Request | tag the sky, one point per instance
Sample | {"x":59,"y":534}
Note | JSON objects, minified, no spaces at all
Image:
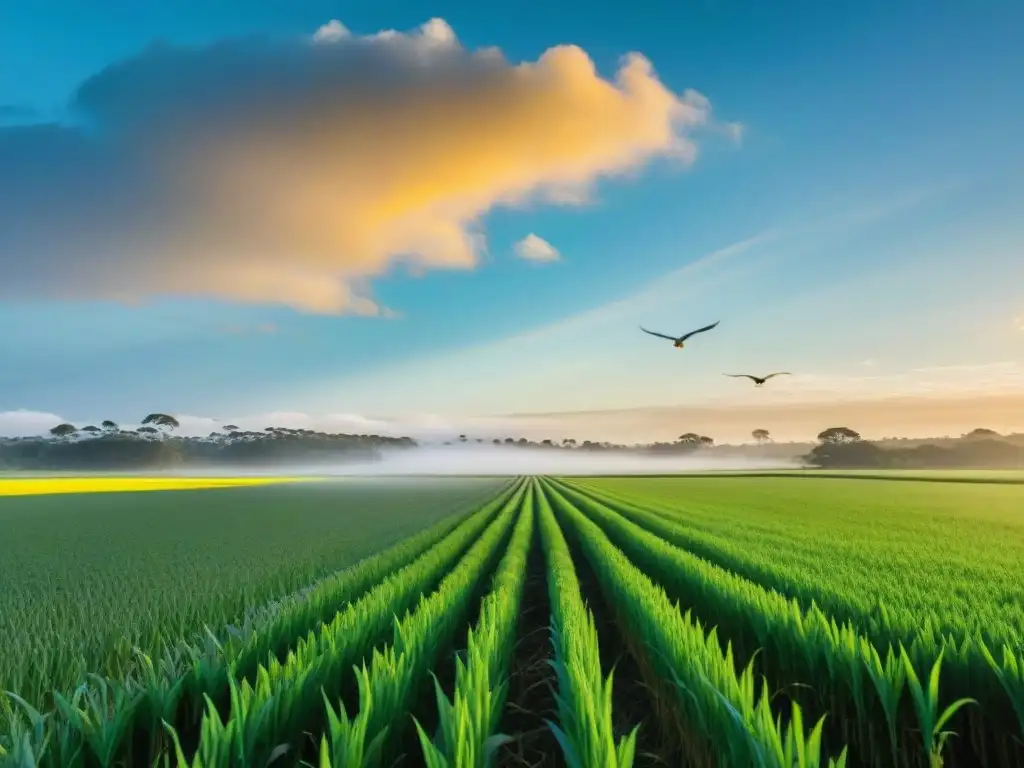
{"x":453,"y":217}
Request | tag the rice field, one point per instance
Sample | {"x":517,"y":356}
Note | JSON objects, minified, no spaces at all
{"x":731,"y":621}
{"x":88,"y":577}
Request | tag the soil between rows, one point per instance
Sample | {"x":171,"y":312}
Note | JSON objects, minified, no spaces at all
{"x":531,"y":684}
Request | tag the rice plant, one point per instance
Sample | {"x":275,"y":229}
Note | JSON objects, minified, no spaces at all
{"x":584,"y":730}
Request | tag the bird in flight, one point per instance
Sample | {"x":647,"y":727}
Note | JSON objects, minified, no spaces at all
{"x":758,"y":380}
{"x":680,"y":342}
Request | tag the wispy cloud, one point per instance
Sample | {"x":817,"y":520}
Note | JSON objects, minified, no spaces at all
{"x":705,"y":271}
{"x":534,"y":248}
{"x":541,"y":364}
{"x":947,"y":380}
{"x":672,"y":286}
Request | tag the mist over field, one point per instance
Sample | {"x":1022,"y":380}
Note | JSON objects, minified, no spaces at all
{"x":499,"y":460}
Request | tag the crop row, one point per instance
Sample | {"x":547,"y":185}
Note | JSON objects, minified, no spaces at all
{"x":892,"y":557}
{"x":877,"y":701}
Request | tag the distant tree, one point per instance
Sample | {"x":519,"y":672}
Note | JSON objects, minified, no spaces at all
{"x":109,"y":426}
{"x":462,"y":438}
{"x":981,"y":433}
{"x":570,"y":442}
{"x":509,"y":441}
{"x":547,"y":443}
{"x":761,"y":436}
{"x":706,"y":441}
{"x":91,"y":429}
{"x":64,"y":431}
{"x":161,"y":421}
{"x":230,"y":428}
{"x":848,"y":454}
{"x":689,"y":438}
{"x":496,"y":441}
{"x":479,"y":440}
{"x":838,"y":435}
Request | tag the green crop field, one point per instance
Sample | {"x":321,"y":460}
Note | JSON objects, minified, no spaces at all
{"x":787,"y":622}
{"x":87,"y":577}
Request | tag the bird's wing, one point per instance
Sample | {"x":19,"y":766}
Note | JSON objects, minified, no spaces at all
{"x":662,"y":335}
{"x":780,"y":373}
{"x":699,"y":330}
{"x":741,"y":376}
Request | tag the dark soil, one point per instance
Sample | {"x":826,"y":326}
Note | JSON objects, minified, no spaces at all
{"x":531,"y":684}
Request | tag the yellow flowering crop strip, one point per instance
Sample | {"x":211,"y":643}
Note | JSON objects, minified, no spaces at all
{"x":52,"y":485}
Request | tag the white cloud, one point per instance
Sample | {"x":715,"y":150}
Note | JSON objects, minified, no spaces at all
{"x":534,"y":248}
{"x":331,"y":32}
{"x":297,"y":171}
{"x":24,"y":423}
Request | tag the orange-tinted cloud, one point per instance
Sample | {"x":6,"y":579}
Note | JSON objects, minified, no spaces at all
{"x":296,"y":171}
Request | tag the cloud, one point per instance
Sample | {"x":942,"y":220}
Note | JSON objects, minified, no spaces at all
{"x":25,"y":423}
{"x":533,"y":248}
{"x":1018,"y":323}
{"x":296,"y":171}
{"x":734,"y":131}
{"x":331,"y":32}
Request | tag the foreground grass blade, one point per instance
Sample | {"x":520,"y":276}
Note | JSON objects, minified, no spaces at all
{"x":585,"y":728}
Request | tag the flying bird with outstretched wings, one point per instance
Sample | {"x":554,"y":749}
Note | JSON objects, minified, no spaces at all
{"x":679,"y":343}
{"x":758,"y":380}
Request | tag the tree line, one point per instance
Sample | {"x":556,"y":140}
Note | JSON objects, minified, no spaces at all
{"x":153,"y":444}
{"x":843,"y":448}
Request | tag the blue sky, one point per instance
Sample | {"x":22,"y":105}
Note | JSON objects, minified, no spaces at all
{"x":864,"y":233}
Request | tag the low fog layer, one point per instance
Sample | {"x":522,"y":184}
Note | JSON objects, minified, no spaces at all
{"x":499,"y":460}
